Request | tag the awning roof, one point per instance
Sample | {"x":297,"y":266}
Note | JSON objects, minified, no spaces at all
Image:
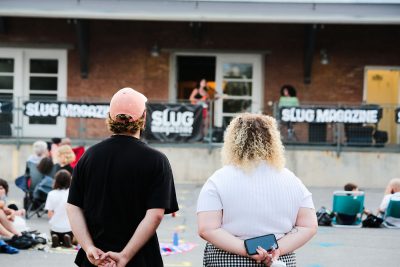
{"x":289,"y":11}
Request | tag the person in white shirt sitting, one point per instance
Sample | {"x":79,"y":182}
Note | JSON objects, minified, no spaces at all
{"x":60,"y":229}
{"x":253,"y":195}
{"x":392,"y":192}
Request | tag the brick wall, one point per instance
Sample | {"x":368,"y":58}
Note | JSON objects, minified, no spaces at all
{"x":119,"y":56}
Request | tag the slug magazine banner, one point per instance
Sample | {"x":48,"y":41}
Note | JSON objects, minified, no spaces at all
{"x":66,"y":109}
{"x":331,"y":115}
{"x":173,"y":122}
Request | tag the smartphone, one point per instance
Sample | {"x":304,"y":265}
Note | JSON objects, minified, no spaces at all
{"x":267,"y":242}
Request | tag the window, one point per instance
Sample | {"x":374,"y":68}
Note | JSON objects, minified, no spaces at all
{"x":43,"y":85}
{"x":33,"y":74}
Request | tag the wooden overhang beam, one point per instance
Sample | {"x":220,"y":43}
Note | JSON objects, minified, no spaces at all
{"x":3,"y":25}
{"x":82,"y":31}
{"x":310,"y":36}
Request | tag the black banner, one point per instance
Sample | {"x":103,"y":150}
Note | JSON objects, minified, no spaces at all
{"x":174,"y":122}
{"x":397,"y":115}
{"x":6,"y":106}
{"x":66,"y":109}
{"x":331,"y":115}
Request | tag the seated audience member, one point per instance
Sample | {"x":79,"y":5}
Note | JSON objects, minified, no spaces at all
{"x":7,"y":228}
{"x":40,"y":151}
{"x":354,"y":188}
{"x":14,"y":215}
{"x":55,"y":143}
{"x":392,"y":192}
{"x":78,"y":151}
{"x":12,"y":225}
{"x":349,"y":219}
{"x":60,"y":228}
{"x":350,"y":187}
{"x":65,"y":156}
{"x":393,"y":187}
{"x":46,"y":169}
{"x":11,"y":209}
{"x":66,"y":141}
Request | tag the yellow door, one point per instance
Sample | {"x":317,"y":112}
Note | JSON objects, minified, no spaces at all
{"x":383,"y":89}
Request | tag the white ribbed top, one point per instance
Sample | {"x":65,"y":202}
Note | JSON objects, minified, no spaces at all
{"x":265,"y":201}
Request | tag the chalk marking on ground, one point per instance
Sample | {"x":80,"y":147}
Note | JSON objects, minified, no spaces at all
{"x":327,"y":244}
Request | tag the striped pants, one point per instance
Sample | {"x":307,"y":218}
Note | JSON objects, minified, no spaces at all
{"x":215,"y":257}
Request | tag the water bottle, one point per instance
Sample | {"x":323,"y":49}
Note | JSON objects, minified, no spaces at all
{"x":175,"y":239}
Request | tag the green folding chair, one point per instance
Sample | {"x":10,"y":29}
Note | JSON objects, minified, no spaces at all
{"x":348,"y":207}
{"x":392,"y":212}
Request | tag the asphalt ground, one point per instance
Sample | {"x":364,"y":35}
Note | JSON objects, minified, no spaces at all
{"x":330,"y":247}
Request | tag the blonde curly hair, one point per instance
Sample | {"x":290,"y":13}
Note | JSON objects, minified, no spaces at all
{"x":250,"y":139}
{"x":65,"y":154}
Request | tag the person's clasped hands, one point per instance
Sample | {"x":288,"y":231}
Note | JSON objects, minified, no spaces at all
{"x":98,"y":257}
{"x":93,"y":254}
{"x":266,"y":257}
{"x":111,"y":259}
{"x":114,"y":259}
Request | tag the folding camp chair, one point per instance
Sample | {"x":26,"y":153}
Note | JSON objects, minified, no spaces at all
{"x":392,"y":213}
{"x":348,"y":207}
{"x":28,"y":183}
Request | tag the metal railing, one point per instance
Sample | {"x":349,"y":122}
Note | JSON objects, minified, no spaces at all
{"x":339,"y":126}
{"x":300,"y":131}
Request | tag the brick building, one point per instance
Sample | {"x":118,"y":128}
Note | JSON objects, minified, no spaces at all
{"x":86,"y":50}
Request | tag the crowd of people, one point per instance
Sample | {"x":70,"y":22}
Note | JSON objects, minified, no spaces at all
{"x":252,"y":196}
{"x":46,"y":182}
{"x":350,"y":211}
{"x":392,"y":192}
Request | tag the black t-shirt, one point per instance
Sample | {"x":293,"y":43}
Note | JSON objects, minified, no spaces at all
{"x":115,"y":182}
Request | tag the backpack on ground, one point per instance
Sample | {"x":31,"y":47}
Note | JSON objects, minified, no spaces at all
{"x":372,"y":221}
{"x":324,"y":217}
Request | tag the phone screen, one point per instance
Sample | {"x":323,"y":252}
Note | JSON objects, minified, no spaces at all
{"x":267,"y":242}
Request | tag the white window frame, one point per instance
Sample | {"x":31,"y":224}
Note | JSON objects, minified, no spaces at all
{"x":16,"y":55}
{"x":258,"y":78}
{"x":256,"y":97}
{"x":21,"y":89}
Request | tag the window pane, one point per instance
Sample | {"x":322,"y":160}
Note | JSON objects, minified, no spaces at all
{"x":34,"y":97}
{"x":44,"y":66}
{"x":6,"y":65}
{"x":238,"y":88}
{"x":226,"y":121}
{"x":6,"y":96}
{"x":236,"y":106}
{"x":6,"y":116}
{"x":43,"y":83}
{"x":6,"y":82}
{"x":43,"y":120}
{"x":240,"y":71}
